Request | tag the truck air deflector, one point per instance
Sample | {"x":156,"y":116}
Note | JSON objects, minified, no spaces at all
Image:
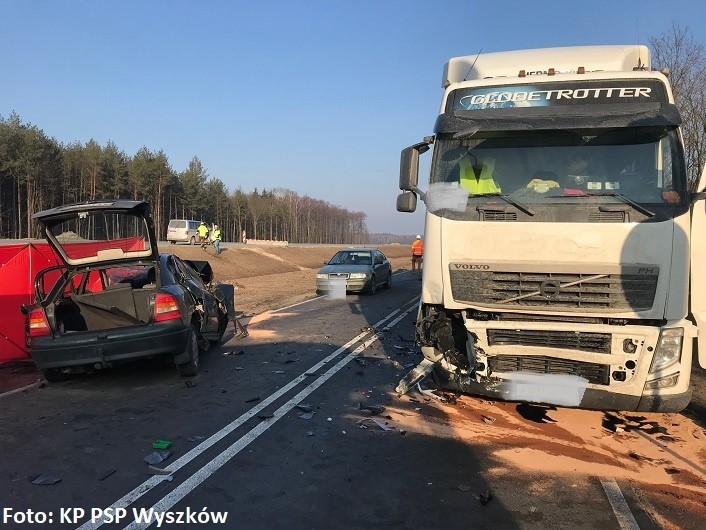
{"x":465,"y":124}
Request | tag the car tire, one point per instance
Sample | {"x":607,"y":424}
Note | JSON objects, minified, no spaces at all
{"x":222,"y":325}
{"x":373,"y":287}
{"x":173,"y":242}
{"x":190,"y":367}
{"x":388,"y":283}
{"x":55,"y":375}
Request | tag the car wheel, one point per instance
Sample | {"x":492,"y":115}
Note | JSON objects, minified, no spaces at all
{"x":222,"y":324}
{"x":55,"y":375}
{"x":388,"y":283}
{"x":373,"y":287}
{"x":190,"y":367}
{"x":173,"y":242}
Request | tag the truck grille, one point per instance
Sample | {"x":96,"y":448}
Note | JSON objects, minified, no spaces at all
{"x":591,"y":342}
{"x":597,"y":374}
{"x":626,"y":291}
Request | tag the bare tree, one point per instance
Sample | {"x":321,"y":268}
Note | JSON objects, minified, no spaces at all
{"x":685,"y":58}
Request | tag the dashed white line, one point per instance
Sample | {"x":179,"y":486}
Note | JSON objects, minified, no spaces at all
{"x":237,"y":446}
{"x":622,"y":512}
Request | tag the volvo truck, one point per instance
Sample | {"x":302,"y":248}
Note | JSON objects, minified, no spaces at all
{"x":562,"y":242}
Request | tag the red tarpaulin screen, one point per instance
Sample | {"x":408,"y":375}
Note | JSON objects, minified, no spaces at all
{"x":19,"y":264}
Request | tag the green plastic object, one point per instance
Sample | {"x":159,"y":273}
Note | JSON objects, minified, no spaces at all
{"x":161,"y":444}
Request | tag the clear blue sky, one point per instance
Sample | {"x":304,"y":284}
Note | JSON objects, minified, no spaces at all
{"x":318,"y":96}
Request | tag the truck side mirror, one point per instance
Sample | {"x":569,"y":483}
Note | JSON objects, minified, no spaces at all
{"x":409,"y":166}
{"x":406,"y":202}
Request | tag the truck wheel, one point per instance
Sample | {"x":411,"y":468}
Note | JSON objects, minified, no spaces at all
{"x":190,"y":367}
{"x":173,"y":242}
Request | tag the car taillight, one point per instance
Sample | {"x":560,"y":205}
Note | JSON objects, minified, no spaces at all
{"x":166,"y":307}
{"x":38,"y":325}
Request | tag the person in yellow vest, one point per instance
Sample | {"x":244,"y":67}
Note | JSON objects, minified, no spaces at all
{"x":203,"y":234}
{"x":477,"y":179}
{"x":216,"y":238}
{"x":417,"y":253}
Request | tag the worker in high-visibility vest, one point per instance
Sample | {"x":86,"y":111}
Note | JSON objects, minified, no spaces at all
{"x":417,"y":253}
{"x":216,"y":238}
{"x":478,"y":182}
{"x":203,"y":234}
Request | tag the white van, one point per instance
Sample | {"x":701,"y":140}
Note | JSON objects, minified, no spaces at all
{"x":183,"y":230}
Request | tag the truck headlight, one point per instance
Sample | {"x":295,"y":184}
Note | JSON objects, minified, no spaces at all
{"x":668,"y":350}
{"x":321,"y":276}
{"x":358,"y":275}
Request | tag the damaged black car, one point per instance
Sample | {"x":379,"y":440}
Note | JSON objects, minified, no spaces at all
{"x":114,"y":298}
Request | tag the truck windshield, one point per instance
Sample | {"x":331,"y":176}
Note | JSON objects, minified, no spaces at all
{"x":546,"y":169}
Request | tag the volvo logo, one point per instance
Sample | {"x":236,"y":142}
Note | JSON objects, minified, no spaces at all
{"x":549,"y":288}
{"x":470,"y":266}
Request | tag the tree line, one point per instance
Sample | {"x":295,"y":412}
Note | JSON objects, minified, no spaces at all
{"x":37,"y":172}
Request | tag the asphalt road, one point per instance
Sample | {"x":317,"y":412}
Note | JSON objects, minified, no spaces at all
{"x":298,"y":426}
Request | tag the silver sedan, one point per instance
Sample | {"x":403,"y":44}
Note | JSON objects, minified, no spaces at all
{"x":362,"y":270}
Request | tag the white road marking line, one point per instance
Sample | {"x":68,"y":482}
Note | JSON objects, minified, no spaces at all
{"x":622,"y":512}
{"x":150,"y":483}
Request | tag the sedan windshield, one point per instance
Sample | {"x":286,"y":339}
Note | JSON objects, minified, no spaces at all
{"x":351,"y":257}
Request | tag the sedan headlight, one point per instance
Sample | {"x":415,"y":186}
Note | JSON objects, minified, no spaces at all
{"x":321,"y":276}
{"x":668,"y":351}
{"x":358,"y":275}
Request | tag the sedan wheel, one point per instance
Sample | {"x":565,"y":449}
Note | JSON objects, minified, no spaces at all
{"x":373,"y":287}
{"x":388,"y":283}
{"x":190,"y":367}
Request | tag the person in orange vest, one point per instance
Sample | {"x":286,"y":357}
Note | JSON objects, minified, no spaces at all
{"x":417,"y":253}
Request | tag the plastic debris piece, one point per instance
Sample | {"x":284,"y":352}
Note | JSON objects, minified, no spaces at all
{"x":238,"y":368}
{"x":157,"y":456}
{"x":464,"y":487}
{"x":486,"y":497}
{"x":305,"y":407}
{"x":488,"y":419}
{"x":310,"y":433}
{"x":373,"y":410}
{"x":381,"y":424}
{"x":152,"y":470}
{"x":44,"y":479}
{"x":278,"y":372}
{"x":431,"y":394}
{"x":195,"y":438}
{"x":105,"y":474}
{"x":305,"y":415}
{"x":265,"y":416}
{"x":250,"y":400}
{"x":161,"y":444}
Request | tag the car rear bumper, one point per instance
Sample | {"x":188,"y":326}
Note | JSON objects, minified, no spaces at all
{"x":109,"y":346}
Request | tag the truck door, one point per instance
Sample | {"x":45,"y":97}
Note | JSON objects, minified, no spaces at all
{"x":698,"y":268}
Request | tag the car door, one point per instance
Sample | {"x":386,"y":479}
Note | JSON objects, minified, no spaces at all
{"x":381,"y":267}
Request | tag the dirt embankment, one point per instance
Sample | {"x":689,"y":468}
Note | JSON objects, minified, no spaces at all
{"x":271,"y":277}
